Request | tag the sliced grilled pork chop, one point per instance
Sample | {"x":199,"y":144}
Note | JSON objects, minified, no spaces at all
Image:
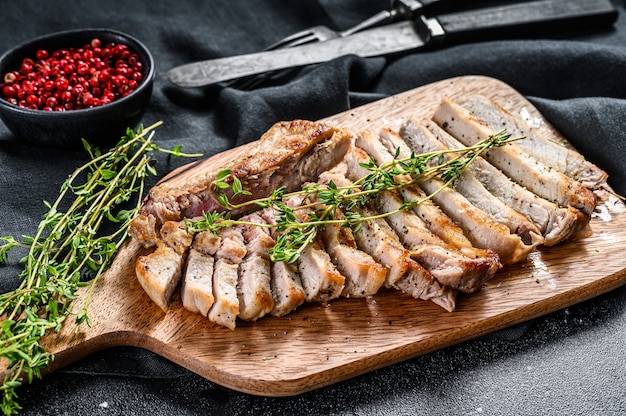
{"x":229,"y":255}
{"x":481,"y":229}
{"x":288,"y":154}
{"x":364,"y":276}
{"x":159,"y":272}
{"x":548,"y":152}
{"x":253,"y":287}
{"x":544,"y":181}
{"x":421,"y":139}
{"x":464,"y":268}
{"x":197,"y":288}
{"x":378,"y":239}
{"x":319,"y":276}
{"x":447,"y":264}
{"x":556,"y":224}
{"x":285,"y":282}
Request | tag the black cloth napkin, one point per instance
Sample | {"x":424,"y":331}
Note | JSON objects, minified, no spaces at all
{"x":570,"y":362}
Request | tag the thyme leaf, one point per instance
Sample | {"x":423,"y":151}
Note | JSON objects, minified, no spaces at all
{"x":70,"y":249}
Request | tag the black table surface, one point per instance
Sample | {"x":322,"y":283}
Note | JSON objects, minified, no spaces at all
{"x":571,"y":362}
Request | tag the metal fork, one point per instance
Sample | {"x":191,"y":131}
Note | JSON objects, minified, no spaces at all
{"x":400,"y":9}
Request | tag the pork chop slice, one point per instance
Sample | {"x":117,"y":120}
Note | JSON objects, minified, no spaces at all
{"x":481,"y":229}
{"x":225,"y":309}
{"x":253,"y":286}
{"x":421,"y":139}
{"x":319,"y":276}
{"x":160,"y":272}
{"x":197,"y":287}
{"x":527,"y":171}
{"x":228,"y":257}
{"x":556,"y":224}
{"x":364,"y":276}
{"x":287,"y":288}
{"x":536,"y":144}
{"x":377,"y":238}
{"x":448,"y":265}
{"x":435,"y":220}
{"x":285,"y":282}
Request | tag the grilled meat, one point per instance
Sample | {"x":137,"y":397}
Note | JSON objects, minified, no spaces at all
{"x":546,"y":151}
{"x":229,"y":255}
{"x":159,"y":272}
{"x":378,"y":239}
{"x":288,"y":154}
{"x":421,"y":139}
{"x":253,"y":286}
{"x":197,"y":288}
{"x":544,"y":181}
{"x":453,"y":240}
{"x":556,"y":224}
{"x":481,"y":229}
{"x":286,"y":283}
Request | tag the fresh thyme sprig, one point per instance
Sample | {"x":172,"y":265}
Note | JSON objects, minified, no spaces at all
{"x":332,"y":204}
{"x":67,"y":249}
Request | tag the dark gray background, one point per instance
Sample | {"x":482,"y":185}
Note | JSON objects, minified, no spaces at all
{"x":567,"y":363}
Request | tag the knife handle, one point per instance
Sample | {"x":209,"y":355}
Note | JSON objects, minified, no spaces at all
{"x":522,"y":19}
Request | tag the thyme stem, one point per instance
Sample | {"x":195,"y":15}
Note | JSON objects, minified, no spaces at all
{"x":69,"y":251}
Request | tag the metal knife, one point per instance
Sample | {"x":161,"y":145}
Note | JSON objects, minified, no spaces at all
{"x":554,"y":16}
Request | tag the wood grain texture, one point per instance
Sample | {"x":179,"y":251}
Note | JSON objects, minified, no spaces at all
{"x":321,"y":344}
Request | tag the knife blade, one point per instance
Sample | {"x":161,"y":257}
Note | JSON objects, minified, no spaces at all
{"x":434,"y":31}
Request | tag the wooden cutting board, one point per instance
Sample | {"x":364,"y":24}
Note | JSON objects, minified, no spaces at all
{"x":322,"y":344}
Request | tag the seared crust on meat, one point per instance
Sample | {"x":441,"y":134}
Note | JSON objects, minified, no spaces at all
{"x":288,"y":154}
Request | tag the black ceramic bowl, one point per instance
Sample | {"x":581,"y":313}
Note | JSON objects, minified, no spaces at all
{"x":103,"y":125}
